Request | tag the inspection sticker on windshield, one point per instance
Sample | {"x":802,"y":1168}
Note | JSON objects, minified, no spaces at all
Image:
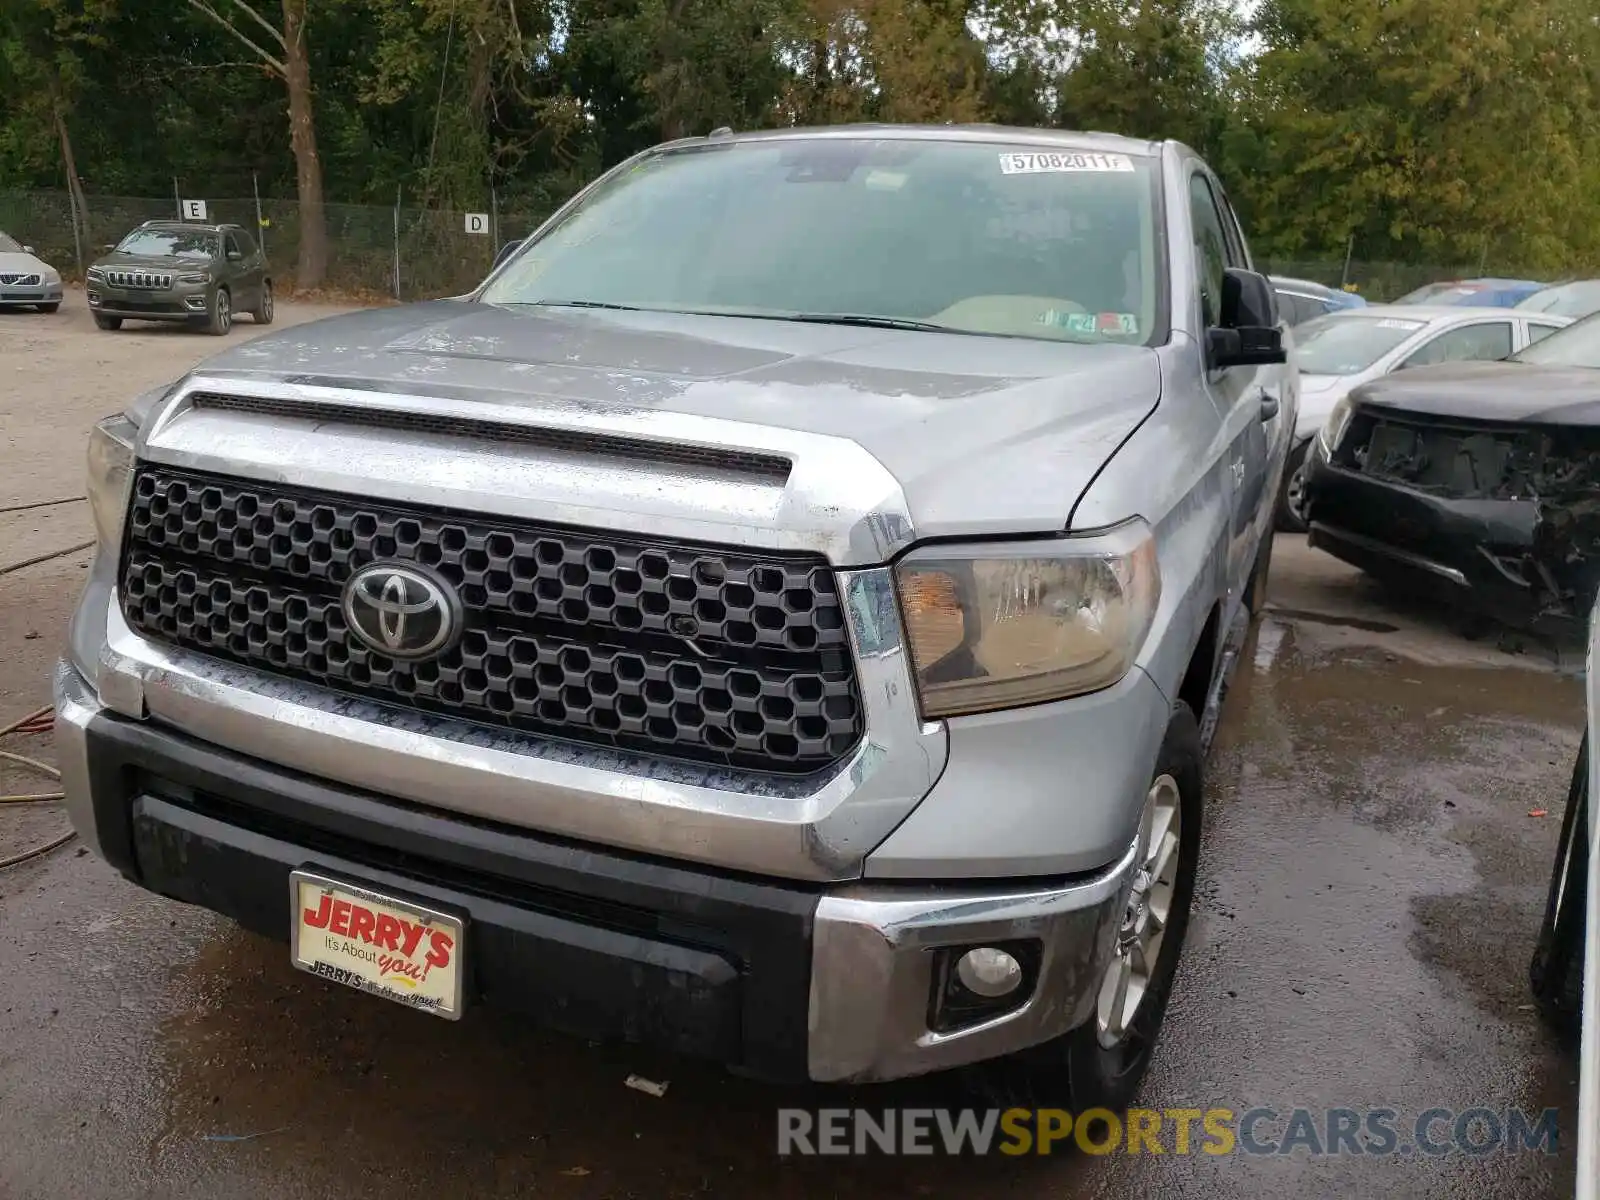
{"x":1033,"y":164}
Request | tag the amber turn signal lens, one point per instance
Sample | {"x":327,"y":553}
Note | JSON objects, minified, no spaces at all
{"x":935,"y":623}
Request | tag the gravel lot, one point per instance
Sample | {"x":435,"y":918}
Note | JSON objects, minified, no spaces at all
{"x":1369,"y":895}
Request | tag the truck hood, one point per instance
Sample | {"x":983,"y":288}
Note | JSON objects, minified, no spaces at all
{"x":1491,"y":391}
{"x":985,"y":435}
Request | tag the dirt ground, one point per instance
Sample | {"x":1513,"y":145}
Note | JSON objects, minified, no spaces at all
{"x":1371,"y":883}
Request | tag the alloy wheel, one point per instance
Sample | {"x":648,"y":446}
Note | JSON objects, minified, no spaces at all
{"x":1144,"y":922}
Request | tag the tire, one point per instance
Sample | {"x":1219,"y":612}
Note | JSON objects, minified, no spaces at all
{"x":1293,"y":484}
{"x":261,"y":314}
{"x":53,"y":306}
{"x":107,"y":322}
{"x":219,"y":320}
{"x":1556,"y":972}
{"x":1084,"y":1068}
{"x":1255,"y":593}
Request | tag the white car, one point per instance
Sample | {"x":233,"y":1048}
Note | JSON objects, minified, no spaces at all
{"x":1340,"y":350}
{"x":25,"y":279}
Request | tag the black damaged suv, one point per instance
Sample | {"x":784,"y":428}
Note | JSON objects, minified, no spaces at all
{"x":179,"y":271}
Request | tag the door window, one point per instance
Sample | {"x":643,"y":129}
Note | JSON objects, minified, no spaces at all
{"x":244,"y":242}
{"x":233,"y":246}
{"x":1210,"y":247}
{"x":1538,"y":332}
{"x":1486,"y":340}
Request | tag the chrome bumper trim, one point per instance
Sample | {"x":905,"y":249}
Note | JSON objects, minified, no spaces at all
{"x":871,"y":973}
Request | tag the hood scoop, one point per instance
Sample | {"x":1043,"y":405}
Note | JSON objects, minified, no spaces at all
{"x":770,"y":469}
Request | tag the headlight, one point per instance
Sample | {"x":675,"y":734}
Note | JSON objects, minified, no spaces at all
{"x":1000,"y":626}
{"x":110,"y":468}
{"x":96,"y":273}
{"x":1333,"y":429}
{"x":195,"y":277}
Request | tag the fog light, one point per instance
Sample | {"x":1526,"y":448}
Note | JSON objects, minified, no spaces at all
{"x":989,"y":972}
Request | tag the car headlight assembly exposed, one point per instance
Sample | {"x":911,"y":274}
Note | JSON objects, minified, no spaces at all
{"x":1333,"y":429}
{"x":96,"y":274}
{"x":110,"y":470}
{"x":195,"y":277}
{"x":1000,"y":626}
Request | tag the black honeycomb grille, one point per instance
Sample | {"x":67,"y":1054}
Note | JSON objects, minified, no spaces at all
{"x":696,"y":651}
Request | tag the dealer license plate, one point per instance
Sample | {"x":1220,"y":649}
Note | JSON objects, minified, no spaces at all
{"x":392,"y":948}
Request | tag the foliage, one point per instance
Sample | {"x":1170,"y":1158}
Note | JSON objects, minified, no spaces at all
{"x":1425,"y":130}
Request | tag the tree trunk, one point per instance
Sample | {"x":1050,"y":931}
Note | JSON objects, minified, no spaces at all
{"x":80,"y":206}
{"x":313,"y":264}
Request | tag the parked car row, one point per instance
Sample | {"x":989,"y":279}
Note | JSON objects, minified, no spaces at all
{"x":172,"y":271}
{"x":1474,"y":481}
{"x":1341,"y":351}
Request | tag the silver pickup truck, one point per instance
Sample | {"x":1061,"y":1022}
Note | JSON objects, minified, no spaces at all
{"x":771,"y":619}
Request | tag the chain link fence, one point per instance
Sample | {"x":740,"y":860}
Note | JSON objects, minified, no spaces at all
{"x":421,"y":253}
{"x":406,"y":253}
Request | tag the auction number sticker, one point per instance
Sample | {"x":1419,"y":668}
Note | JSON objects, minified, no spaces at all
{"x":1012,"y":163}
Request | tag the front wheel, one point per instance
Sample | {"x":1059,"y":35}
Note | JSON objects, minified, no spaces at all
{"x":1101,"y":1063}
{"x":261,"y":314}
{"x":1292,"y":492}
{"x":107,"y":322}
{"x":220,"y":319}
{"x":1556,"y":972}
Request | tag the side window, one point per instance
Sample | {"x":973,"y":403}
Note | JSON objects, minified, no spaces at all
{"x":1210,"y":247}
{"x":231,"y":245}
{"x":245,"y":244}
{"x":1468,"y":343}
{"x":1241,"y":254}
{"x":1538,"y":332}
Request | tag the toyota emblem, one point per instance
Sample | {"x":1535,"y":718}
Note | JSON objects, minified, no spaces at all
{"x":400,"y":611}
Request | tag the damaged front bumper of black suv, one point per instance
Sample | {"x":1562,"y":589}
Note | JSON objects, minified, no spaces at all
{"x":1500,"y":518}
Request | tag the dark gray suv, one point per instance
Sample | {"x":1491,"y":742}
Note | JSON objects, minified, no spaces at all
{"x":179,"y":271}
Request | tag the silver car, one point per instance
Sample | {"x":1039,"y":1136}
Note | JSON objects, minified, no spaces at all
{"x":774,"y":618}
{"x":26,"y":280}
{"x":1342,"y":350}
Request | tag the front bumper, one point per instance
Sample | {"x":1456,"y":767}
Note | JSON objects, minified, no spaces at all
{"x":148,"y":305}
{"x":775,"y":978}
{"x":1466,"y":552}
{"x":49,"y":293}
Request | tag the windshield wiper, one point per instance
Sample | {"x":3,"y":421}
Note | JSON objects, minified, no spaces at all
{"x":867,"y":320}
{"x":582,"y":304}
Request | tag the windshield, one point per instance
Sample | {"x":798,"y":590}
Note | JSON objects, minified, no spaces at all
{"x":1577,"y":345}
{"x":1568,"y":300}
{"x":169,"y":243}
{"x":9,"y":244}
{"x":965,"y":236}
{"x":1340,"y":344}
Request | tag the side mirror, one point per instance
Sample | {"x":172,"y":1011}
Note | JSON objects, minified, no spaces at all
{"x":1248,"y":335}
{"x":108,"y":246}
{"x":234,"y":256}
{"x":27,"y":249}
{"x":506,"y":252}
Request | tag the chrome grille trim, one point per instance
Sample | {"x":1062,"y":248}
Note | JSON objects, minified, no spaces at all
{"x":149,"y":280}
{"x":20,"y":280}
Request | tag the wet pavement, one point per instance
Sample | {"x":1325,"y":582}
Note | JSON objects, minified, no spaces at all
{"x":1370,"y":890}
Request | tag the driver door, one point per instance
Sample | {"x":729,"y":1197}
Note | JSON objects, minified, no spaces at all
{"x":1243,"y":395}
